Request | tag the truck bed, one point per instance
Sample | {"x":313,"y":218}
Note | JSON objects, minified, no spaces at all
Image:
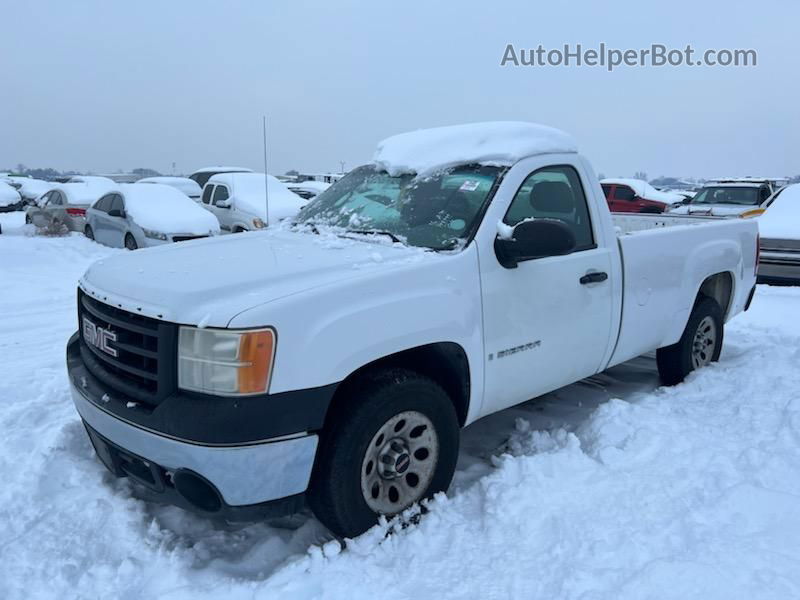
{"x":631,"y":223}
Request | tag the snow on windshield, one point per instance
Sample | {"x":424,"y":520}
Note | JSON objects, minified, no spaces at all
{"x":499,"y":143}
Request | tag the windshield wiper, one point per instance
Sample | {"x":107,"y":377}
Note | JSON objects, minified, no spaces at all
{"x":388,"y":234}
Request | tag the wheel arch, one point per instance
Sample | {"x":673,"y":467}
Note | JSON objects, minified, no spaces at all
{"x":444,"y":362}
{"x":720,"y":287}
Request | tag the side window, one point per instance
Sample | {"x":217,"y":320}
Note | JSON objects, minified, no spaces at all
{"x":45,"y":200}
{"x":623,"y":192}
{"x":103,"y":204}
{"x":607,"y":191}
{"x":56,"y":199}
{"x":763,"y":195}
{"x":554,"y":193}
{"x":220,"y":193}
{"x":116,"y":203}
{"x":207,"y":191}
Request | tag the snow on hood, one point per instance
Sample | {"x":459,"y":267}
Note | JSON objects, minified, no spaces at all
{"x":782,"y":219}
{"x":503,"y":142}
{"x":162,"y":208}
{"x":213,"y":280}
{"x":645,"y":190}
{"x":188,"y":186}
{"x":248,"y":195}
{"x":8,"y":195}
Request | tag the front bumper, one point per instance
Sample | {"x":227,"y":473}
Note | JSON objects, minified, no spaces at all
{"x":243,"y":475}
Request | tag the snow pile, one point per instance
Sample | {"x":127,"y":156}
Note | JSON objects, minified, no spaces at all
{"x":183,"y":184}
{"x":8,"y":195}
{"x":645,"y":190}
{"x":248,"y":195}
{"x":162,"y":208}
{"x":782,"y":219}
{"x":610,"y":489}
{"x":502,"y":142}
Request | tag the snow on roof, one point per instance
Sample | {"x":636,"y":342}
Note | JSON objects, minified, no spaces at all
{"x":501,"y":142}
{"x":247,"y":192}
{"x":85,"y":192}
{"x":741,"y":184}
{"x":644,"y":189}
{"x":188,"y":186}
{"x":35,"y":187}
{"x":163,"y":208}
{"x":222,"y":169}
{"x":782,"y":219}
{"x":8,"y":195}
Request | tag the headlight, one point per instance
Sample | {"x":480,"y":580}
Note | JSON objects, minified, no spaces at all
{"x":156,"y":235}
{"x":225,"y":362}
{"x":258,"y":223}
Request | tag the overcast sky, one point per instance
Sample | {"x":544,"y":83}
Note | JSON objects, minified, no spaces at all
{"x":104,"y":86}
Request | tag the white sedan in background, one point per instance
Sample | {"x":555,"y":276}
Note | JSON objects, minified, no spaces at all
{"x":238,"y":200}
{"x":137,"y":216}
{"x":308,"y":189}
{"x":779,"y":228}
{"x":182,"y":184}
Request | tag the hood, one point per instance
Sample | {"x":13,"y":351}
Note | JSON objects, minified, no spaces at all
{"x":210,"y":281}
{"x":712,"y":210}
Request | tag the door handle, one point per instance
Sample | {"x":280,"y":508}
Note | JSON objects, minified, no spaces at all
{"x":595,"y":277}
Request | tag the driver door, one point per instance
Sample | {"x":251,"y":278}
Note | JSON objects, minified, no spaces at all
{"x":546,"y":324}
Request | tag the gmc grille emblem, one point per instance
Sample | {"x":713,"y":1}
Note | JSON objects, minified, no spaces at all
{"x":99,"y":337}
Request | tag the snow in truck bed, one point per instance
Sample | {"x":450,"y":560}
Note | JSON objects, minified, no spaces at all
{"x":501,"y":142}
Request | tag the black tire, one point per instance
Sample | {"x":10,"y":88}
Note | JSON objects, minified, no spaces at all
{"x":87,"y":231}
{"x":130,"y":243}
{"x":28,"y":220}
{"x":676,"y":362}
{"x":335,"y":492}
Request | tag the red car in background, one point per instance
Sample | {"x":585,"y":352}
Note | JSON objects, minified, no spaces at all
{"x":636,"y":196}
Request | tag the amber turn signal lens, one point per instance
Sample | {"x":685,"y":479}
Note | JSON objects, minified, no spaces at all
{"x":256,"y":353}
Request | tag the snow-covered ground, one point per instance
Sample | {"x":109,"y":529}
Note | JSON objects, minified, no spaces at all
{"x":610,"y":488}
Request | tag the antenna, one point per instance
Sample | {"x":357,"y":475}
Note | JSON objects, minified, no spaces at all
{"x":266,"y":177}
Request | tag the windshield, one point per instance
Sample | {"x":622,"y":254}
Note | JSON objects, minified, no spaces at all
{"x":433,"y":212}
{"x":746,"y":196}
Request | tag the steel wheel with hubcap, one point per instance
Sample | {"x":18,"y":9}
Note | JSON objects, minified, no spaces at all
{"x":705,"y":342}
{"x":399,"y":463}
{"x":391,"y":441}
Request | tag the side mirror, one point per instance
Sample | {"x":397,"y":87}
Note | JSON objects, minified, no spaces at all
{"x":537,"y":238}
{"x":223,"y":203}
{"x":686,"y":201}
{"x":115,"y":212}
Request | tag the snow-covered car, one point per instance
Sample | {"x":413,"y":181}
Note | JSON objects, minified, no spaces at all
{"x":65,"y":204}
{"x":308,"y":189}
{"x":182,"y":184}
{"x":779,"y":227}
{"x":239,"y":201}
{"x":201,"y":176}
{"x":729,"y":199}
{"x":464,"y":270}
{"x":636,"y":196}
{"x":31,"y":188}
{"x":10,"y":200}
{"x":138,"y":216}
{"x":97,"y":181}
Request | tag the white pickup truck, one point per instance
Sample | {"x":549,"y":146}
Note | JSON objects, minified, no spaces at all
{"x":333,"y":361}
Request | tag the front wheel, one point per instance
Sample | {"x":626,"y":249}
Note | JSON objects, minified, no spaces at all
{"x":130,"y":243}
{"x":87,"y":231}
{"x":394,"y":443}
{"x":700,"y":344}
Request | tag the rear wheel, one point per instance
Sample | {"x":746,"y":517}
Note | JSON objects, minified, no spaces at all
{"x":700,"y":344}
{"x":130,"y":243}
{"x":394,"y":443}
{"x":87,"y":231}
{"x":28,"y":219}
